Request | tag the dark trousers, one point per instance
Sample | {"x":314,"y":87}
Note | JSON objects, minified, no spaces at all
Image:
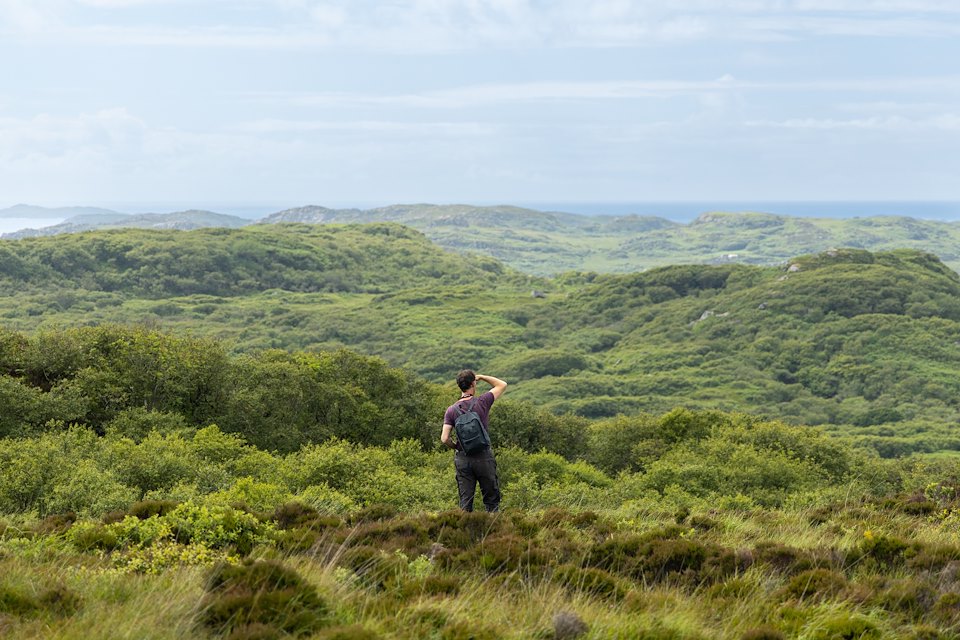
{"x":479,"y":467}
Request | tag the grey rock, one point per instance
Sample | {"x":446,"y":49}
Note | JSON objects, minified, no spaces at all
{"x":568,"y":625}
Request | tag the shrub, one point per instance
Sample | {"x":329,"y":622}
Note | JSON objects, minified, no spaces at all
{"x":148,"y":508}
{"x":325,"y":499}
{"x":782,"y":558}
{"x":89,"y":490}
{"x":87,"y":536}
{"x":261,"y":593}
{"x":252,"y":495}
{"x":217,"y":527}
{"x":615,"y":553}
{"x":925,"y":632}
{"x":374,"y":512}
{"x":847,"y":626}
{"x":815,"y":583}
{"x":462,"y":529}
{"x":887,"y":550}
{"x":398,"y":533}
{"x":13,"y":602}
{"x":934,"y":557}
{"x":508,"y":552}
{"x":594,"y":582}
{"x":664,"y":557}
{"x":376,"y":569}
{"x":60,"y":601}
{"x":56,"y":524}
{"x":948,"y":606}
{"x":703,"y":523}
{"x":57,"y":600}
{"x":909,"y":597}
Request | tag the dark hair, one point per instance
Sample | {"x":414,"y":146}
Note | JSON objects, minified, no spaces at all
{"x":465,"y":378}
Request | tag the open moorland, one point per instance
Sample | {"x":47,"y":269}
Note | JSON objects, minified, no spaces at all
{"x":234,"y":434}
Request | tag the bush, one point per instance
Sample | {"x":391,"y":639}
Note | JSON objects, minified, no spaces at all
{"x":375,"y":568}
{"x":782,"y":558}
{"x":886,"y":550}
{"x":261,"y":593}
{"x":847,"y":626}
{"x":88,"y":536}
{"x":909,"y":597}
{"x":149,"y":508}
{"x":664,"y":557}
{"x":594,"y":582}
{"x":815,"y":584}
{"x":57,"y":600}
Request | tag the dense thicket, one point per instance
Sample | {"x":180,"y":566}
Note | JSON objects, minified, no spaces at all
{"x":162,"y":412}
{"x":309,"y":258}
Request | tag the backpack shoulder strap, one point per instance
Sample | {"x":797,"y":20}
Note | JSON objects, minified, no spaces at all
{"x":464,"y":409}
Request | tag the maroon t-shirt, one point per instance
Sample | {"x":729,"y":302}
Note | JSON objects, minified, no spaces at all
{"x":481,"y":407}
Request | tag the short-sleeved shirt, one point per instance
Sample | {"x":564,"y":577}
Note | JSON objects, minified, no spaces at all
{"x":481,"y":407}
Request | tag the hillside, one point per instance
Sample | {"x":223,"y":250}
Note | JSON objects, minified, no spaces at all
{"x":549,"y":242}
{"x":865,"y":343}
{"x":230,"y":262}
{"x":281,"y":495}
{"x":545,"y":243}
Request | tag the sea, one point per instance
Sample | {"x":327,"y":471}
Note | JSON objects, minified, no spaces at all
{"x":687,"y":211}
{"x":9,"y":225}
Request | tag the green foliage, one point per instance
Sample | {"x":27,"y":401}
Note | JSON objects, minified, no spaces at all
{"x":57,"y":600}
{"x":815,"y":583}
{"x":261,"y":593}
{"x":858,"y":340}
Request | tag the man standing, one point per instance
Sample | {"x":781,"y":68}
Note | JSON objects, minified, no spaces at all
{"x":479,"y":466}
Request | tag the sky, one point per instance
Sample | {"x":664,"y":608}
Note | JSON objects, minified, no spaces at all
{"x":270,"y":103}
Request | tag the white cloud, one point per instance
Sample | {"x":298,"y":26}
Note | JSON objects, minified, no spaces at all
{"x":450,"y":25}
{"x":484,"y":95}
{"x":947,"y":122}
{"x":278,"y":126}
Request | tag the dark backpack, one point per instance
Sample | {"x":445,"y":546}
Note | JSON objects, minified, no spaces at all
{"x":471,"y":436}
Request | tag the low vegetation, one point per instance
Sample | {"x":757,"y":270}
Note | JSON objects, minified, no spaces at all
{"x":161,"y":485}
{"x":863,"y":344}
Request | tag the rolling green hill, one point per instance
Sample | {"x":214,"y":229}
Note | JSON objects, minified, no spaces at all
{"x":551,"y":242}
{"x":867,"y":342}
{"x":546,"y":243}
{"x":263,"y":493}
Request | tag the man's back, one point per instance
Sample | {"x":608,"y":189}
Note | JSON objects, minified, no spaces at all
{"x":479,"y":466}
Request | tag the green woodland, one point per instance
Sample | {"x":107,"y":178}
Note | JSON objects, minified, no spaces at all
{"x":235,"y":434}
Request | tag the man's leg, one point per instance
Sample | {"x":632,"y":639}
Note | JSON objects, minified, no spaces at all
{"x":466,"y":482}
{"x":486,"y":472}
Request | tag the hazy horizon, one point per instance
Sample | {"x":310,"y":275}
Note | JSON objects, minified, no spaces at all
{"x":676,"y":210}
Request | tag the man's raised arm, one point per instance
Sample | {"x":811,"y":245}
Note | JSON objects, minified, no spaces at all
{"x":498,"y":385}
